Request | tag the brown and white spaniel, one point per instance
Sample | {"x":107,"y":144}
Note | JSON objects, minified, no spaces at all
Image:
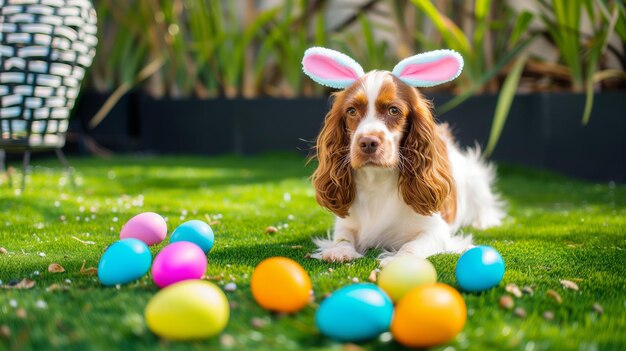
{"x":394,"y":178}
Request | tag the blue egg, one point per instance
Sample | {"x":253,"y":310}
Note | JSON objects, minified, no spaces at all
{"x":479,"y":269}
{"x":124,"y":261}
{"x":355,"y":313}
{"x":197,"y":232}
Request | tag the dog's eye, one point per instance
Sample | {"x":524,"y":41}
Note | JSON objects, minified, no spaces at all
{"x":351,"y":111}
{"x":394,"y":111}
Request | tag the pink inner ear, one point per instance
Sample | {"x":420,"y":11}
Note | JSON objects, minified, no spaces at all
{"x":441,"y":70}
{"x":327,"y":68}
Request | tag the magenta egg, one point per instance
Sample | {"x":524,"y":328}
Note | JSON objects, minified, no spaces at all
{"x":148,"y":227}
{"x":178,"y":261}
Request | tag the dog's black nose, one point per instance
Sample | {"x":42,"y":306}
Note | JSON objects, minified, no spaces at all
{"x":369,"y":144}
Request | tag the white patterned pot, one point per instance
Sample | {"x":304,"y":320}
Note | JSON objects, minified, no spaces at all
{"x":45,"y":48}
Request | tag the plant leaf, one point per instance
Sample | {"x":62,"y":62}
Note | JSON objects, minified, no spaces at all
{"x":459,"y":99}
{"x":596,"y":50}
{"x":88,"y":271}
{"x":505,"y":99}
{"x":55,"y":268}
{"x":521,"y":25}
{"x":555,"y":296}
{"x":450,"y":32}
{"x":23,"y":284}
{"x":568,"y":284}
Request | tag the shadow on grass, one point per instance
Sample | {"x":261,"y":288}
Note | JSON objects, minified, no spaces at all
{"x":187,"y":172}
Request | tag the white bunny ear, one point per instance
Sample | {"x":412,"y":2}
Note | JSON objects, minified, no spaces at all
{"x":331,"y":68}
{"x":430,"y":68}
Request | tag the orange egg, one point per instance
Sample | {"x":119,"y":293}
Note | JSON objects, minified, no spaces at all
{"x":429,"y":315}
{"x":280,"y":284}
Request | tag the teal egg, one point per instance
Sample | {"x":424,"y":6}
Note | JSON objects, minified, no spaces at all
{"x":197,"y":232}
{"x":355,"y":313}
{"x":480,"y":268}
{"x":124,"y":261}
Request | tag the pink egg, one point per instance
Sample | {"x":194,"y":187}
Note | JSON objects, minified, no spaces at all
{"x":178,"y":261}
{"x":148,"y":227}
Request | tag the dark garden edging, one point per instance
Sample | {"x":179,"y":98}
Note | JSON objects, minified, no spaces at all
{"x":119,"y":131}
{"x":542,"y":130}
{"x":226,"y":126}
{"x":545,"y":130}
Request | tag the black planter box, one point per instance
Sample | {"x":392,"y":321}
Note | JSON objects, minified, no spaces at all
{"x":542,"y":130}
{"x":220,"y":126}
{"x":118,"y":131}
{"x":545,"y":130}
{"x":596,"y":151}
{"x":520,"y":141}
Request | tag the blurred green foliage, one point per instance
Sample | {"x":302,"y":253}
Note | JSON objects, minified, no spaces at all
{"x":238,"y":48}
{"x":217,"y":48}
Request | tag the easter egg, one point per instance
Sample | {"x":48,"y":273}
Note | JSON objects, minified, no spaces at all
{"x":148,"y":227}
{"x":403,"y":274}
{"x":355,"y":313}
{"x":192,"y":309}
{"x":196,"y":232}
{"x":280,"y":284}
{"x":177,"y":262}
{"x":479,"y":269}
{"x":124,"y":261}
{"x":428,"y":315}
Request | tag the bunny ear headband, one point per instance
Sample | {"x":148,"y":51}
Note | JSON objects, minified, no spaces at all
{"x":336,"y":70}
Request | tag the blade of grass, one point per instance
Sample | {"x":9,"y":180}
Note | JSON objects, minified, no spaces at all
{"x":521,"y":25}
{"x":620,"y":26}
{"x":505,"y":99}
{"x":370,"y":43}
{"x":566,"y":35}
{"x":595,"y":53}
{"x":453,"y":35}
{"x":457,"y":100}
{"x":124,"y":88}
{"x":481,"y":16}
{"x":598,"y":47}
{"x":320,"y":29}
{"x":608,"y":74}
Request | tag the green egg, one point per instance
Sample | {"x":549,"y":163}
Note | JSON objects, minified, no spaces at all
{"x":404,"y":273}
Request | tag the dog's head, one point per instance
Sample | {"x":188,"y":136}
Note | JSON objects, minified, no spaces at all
{"x":380,"y":120}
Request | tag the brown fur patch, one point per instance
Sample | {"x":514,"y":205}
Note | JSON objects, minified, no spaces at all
{"x":332,"y":180}
{"x":426,"y":181}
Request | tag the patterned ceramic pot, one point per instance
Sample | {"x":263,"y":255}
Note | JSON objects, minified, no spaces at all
{"x":45,"y":48}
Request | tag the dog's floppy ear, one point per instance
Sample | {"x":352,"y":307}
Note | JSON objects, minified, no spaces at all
{"x":430,"y":68}
{"x":426,"y":181}
{"x":331,"y":68}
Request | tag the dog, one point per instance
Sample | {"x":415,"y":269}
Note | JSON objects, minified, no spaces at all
{"x":393,"y":177}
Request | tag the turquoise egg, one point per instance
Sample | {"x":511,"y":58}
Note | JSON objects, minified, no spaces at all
{"x":355,"y":313}
{"x":124,"y":261}
{"x":197,"y":232}
{"x":479,"y":269}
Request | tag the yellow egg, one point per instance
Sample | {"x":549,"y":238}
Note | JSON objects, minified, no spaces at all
{"x":428,"y":315}
{"x":403,"y":274}
{"x":192,"y":309}
{"x":280,"y":284}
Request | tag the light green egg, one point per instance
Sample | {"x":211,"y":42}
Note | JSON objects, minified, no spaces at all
{"x":404,"y":273}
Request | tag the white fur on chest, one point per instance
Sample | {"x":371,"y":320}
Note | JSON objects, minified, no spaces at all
{"x":379,"y":215}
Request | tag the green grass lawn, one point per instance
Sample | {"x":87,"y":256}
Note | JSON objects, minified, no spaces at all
{"x":557,"y":229}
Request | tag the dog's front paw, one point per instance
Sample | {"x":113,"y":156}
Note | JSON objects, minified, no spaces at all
{"x":386,"y":258}
{"x":385,"y":261}
{"x":487,"y":222}
{"x":342,"y":252}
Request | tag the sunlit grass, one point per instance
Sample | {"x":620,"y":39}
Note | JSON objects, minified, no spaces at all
{"x":557,"y":229}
